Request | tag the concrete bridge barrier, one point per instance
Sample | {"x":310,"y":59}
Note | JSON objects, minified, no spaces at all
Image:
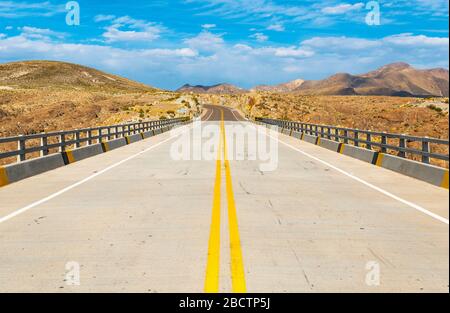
{"x":114,"y":144}
{"x":133,"y":138}
{"x":359,"y":153}
{"x":330,"y":144}
{"x":71,"y":156}
{"x":18,"y":171}
{"x":310,"y":138}
{"x":437,"y":176}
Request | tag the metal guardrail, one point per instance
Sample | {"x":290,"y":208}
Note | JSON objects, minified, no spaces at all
{"x":75,"y":138}
{"x":369,"y":138}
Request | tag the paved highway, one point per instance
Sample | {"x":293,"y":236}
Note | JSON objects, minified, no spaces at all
{"x":136,"y":220}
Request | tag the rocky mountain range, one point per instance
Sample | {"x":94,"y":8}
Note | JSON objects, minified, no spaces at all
{"x":396,"y":79}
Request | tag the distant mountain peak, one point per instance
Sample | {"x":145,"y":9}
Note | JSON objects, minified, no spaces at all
{"x":223,"y":88}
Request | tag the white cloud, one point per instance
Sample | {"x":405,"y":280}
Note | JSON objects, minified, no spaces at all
{"x":417,"y":41}
{"x":40,"y":33}
{"x":102,"y":18}
{"x":12,"y":9}
{"x":260,"y":37}
{"x":205,"y":41}
{"x":276,"y":27}
{"x":293,"y":52}
{"x":207,"y":58}
{"x":135,"y":30}
{"x":209,"y":26}
{"x":342,"y":42}
{"x":343,"y":8}
{"x":9,"y":27}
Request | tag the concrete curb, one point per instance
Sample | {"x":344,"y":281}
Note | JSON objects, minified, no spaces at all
{"x":133,"y":138}
{"x":310,"y":138}
{"x":431,"y":174}
{"x":428,"y":173}
{"x":113,"y":144}
{"x":362,"y":154}
{"x":18,"y":171}
{"x":296,"y":134}
{"x":148,"y":134}
{"x":330,"y":144}
{"x":71,"y":156}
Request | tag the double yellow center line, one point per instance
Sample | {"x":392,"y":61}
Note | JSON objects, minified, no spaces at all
{"x":213,"y":261}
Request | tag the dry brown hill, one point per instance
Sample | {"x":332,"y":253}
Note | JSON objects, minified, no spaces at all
{"x":397,"y":79}
{"x":61,"y":75}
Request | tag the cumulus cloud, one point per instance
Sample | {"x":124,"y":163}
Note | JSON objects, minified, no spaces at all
{"x":40,"y":33}
{"x":205,"y":41}
{"x":128,"y":29}
{"x":260,"y":37}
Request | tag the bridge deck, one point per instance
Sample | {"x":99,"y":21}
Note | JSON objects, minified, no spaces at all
{"x":135,"y":220}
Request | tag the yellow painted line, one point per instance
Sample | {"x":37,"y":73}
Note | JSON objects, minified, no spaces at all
{"x":70,"y":157}
{"x":213,"y":261}
{"x":237,"y":263}
{"x":127,"y":139}
{"x":341,"y":149}
{"x":303,"y":135}
{"x":3,"y":177}
{"x":444,"y":183}
{"x":143,"y":136}
{"x":318,"y":141}
{"x":380,"y":159}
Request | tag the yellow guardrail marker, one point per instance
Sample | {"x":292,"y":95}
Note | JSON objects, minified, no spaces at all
{"x":444,"y":183}
{"x":237,"y":263}
{"x":70,"y":157}
{"x":3,"y":177}
{"x":213,"y":262}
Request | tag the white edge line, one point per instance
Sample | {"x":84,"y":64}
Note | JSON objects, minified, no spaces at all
{"x":62,"y":191}
{"x":386,"y":193}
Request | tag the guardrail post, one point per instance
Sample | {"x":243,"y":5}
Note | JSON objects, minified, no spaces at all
{"x":336,"y":134}
{"x":356,"y":138}
{"x":345,"y":136}
{"x":62,"y":142}
{"x":44,"y":148}
{"x":369,"y":139}
{"x":21,"y":147}
{"x":426,"y":149}
{"x":402,"y":144}
{"x":109,"y":133}
{"x":383,"y":143}
{"x":89,"y":137}
{"x":99,"y":132}
{"x":77,"y":139}
{"x":116,"y":132}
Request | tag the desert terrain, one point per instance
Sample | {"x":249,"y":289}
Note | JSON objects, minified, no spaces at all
{"x":43,"y":96}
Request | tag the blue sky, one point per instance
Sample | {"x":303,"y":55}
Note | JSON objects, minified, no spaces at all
{"x":167,"y":43}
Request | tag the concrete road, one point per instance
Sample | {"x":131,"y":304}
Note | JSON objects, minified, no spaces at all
{"x":136,"y":220}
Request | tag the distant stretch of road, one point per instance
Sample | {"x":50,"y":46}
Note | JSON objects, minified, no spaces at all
{"x":213,"y":113}
{"x":137,"y":220}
